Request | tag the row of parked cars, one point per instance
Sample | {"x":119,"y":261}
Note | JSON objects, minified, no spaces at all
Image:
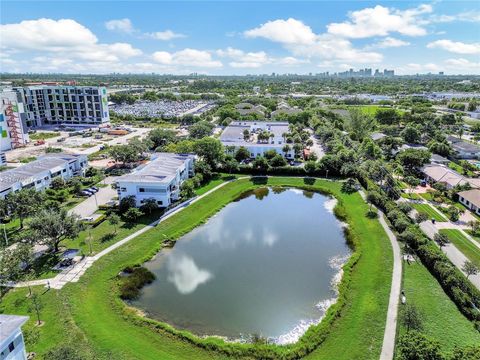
{"x":89,"y":191}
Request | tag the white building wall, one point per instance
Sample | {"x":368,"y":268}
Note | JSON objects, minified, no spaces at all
{"x":13,"y":347}
{"x":9,"y":102}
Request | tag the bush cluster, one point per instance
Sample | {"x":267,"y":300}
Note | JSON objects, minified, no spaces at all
{"x":136,"y":278}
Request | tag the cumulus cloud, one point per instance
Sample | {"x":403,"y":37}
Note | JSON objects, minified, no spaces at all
{"x":467,"y":16}
{"x":164,"y":35}
{"x":187,"y":57}
{"x":381,"y":21}
{"x":301,"y":41}
{"x":388,"y":42}
{"x":455,"y":46}
{"x":290,"y":31}
{"x":121,"y":25}
{"x":243,"y":59}
{"x":462,"y":65}
{"x":185,"y":274}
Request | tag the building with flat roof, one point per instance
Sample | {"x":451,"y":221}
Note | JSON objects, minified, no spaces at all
{"x":39,"y":174}
{"x":13,"y":129}
{"x":233,"y":137}
{"x":160,"y":179}
{"x":61,"y":104}
{"x":12,"y":345}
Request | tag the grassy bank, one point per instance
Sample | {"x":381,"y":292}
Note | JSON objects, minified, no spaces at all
{"x":470,"y":250}
{"x":440,"y":317}
{"x":429,"y":211}
{"x":91,"y":314}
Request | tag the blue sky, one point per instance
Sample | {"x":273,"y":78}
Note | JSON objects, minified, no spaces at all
{"x":246,"y":37}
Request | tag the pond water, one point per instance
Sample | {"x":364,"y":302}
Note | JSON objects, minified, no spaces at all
{"x":265,"y":264}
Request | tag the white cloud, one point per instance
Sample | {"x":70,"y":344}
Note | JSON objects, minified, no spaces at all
{"x":165,"y":35}
{"x":455,"y":46}
{"x":302,"y":42}
{"x":243,"y":59}
{"x":468,"y":16}
{"x":185,"y":274}
{"x":121,"y":25}
{"x":187,"y":57}
{"x":430,"y":67}
{"x":462,"y":65}
{"x":291,"y":61}
{"x":388,"y":42}
{"x":380,"y":21}
{"x":290,"y":31}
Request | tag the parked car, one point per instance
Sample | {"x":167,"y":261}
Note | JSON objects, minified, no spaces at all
{"x":95,"y":188}
{"x":85,"y":193}
{"x":87,"y":218}
{"x":92,"y":189}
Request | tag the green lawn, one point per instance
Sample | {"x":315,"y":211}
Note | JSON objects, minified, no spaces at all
{"x":432,"y":213}
{"x":441,"y":318}
{"x":463,"y":244}
{"x":90,"y":316}
{"x":43,"y":135}
{"x":217,"y":180}
{"x":411,"y":196}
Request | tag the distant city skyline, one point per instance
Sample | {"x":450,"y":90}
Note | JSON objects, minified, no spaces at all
{"x":238,"y":38}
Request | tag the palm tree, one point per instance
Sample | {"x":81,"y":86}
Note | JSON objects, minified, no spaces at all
{"x":286,"y":149}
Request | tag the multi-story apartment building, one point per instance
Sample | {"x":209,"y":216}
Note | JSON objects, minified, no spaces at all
{"x":13,"y":130}
{"x":70,"y":105}
{"x":160,"y":179}
{"x":39,"y":174}
{"x":12,"y":345}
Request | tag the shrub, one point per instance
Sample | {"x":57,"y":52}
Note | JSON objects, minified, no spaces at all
{"x":131,"y":284}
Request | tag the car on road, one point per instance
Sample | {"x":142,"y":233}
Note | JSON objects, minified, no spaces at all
{"x":85,"y":193}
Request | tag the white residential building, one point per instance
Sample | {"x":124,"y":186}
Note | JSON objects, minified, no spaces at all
{"x":471,"y":199}
{"x":60,"y":104}
{"x":13,"y":130}
{"x":39,"y":174}
{"x":12,"y":346}
{"x":160,"y":179}
{"x":233,"y":136}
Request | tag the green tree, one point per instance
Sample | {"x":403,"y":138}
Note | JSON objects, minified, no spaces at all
{"x":230,"y":164}
{"x":126,"y":203}
{"x":114,"y":220}
{"x":412,"y":159}
{"x":469,"y":268}
{"x":441,"y":239}
{"x":260,"y":163}
{"x":242,"y":154}
{"x":149,"y":206}
{"x":210,"y":150}
{"x":310,"y":166}
{"x":57,"y":183}
{"x":411,"y":134}
{"x":200,"y":129}
{"x":161,"y":137}
{"x":132,"y":215}
{"x":277,"y":161}
{"x":51,"y":227}
{"x":12,"y":259}
{"x":24,"y":203}
{"x":387,"y":116}
{"x":411,"y":318}
{"x":359,"y":124}
{"x":187,"y":189}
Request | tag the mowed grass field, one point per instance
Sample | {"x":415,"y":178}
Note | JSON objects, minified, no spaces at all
{"x":89,"y":315}
{"x":441,"y":319}
{"x":469,"y":249}
{"x":431,"y":212}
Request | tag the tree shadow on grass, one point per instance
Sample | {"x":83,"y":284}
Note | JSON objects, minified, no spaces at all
{"x":107,"y":237}
{"x":309,"y":181}
{"x":259,"y":180}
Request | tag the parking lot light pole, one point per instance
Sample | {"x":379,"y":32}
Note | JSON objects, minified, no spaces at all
{"x":5,"y":234}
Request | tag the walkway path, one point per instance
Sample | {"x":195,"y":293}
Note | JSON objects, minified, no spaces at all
{"x":74,"y":273}
{"x":388,"y":346}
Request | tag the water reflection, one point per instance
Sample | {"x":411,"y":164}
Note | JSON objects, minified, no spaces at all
{"x":185,"y":274}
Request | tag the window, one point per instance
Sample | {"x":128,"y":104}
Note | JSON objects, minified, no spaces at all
{"x":141,"y":190}
{"x":159,"y":202}
{"x":11,"y":347}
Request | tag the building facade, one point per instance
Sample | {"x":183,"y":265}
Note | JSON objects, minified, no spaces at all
{"x":39,"y":174}
{"x":160,"y":179}
{"x":69,"y":105}
{"x":233,"y":137}
{"x":471,"y":199}
{"x":12,"y":345}
{"x":13,"y":129}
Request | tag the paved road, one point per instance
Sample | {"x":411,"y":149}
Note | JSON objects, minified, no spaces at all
{"x":455,"y":255}
{"x":317,"y":148}
{"x":88,"y":207}
{"x":388,"y":346}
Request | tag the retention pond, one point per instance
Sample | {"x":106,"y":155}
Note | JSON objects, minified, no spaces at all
{"x":266,"y":264}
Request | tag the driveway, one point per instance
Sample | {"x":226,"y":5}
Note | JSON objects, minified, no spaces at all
{"x":88,"y":207}
{"x":316,"y":148}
